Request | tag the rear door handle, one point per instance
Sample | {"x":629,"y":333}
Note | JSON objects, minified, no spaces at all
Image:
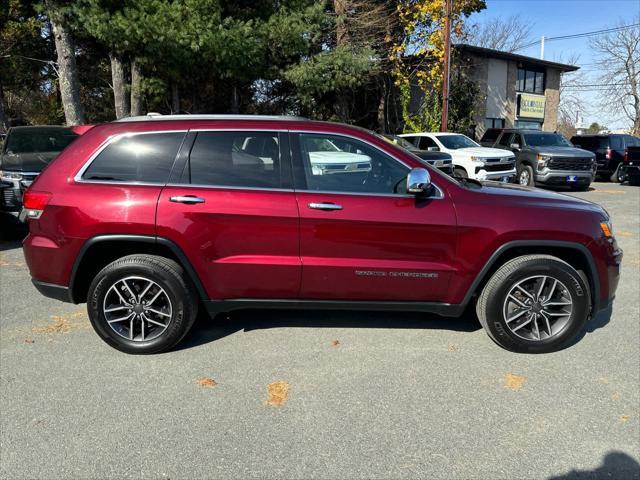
{"x":325,"y":206}
{"x":186,"y":199}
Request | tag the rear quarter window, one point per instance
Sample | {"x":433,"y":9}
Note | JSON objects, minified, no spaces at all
{"x":142,"y":158}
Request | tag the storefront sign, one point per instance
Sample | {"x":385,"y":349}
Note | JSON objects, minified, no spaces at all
{"x":530,"y":106}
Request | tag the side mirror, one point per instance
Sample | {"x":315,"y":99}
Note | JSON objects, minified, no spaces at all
{"x":515,"y":146}
{"x":418,"y":181}
{"x":433,"y":149}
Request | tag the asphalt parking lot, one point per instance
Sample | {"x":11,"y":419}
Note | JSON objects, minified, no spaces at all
{"x":352,"y":395}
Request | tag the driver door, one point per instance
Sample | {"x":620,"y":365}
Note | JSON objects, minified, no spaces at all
{"x":360,"y":240}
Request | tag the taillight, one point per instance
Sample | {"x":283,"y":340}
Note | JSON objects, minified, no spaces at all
{"x":608,"y":154}
{"x":626,"y":156}
{"x":34,"y":203}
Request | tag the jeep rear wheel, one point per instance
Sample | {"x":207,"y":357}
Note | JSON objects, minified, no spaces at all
{"x":534,"y":304}
{"x":142,"y":304}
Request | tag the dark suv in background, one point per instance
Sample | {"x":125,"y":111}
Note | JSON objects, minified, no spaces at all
{"x":609,"y":150}
{"x":548,"y":158}
{"x":26,"y":151}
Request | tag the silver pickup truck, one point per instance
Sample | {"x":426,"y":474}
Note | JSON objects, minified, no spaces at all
{"x":548,"y":158}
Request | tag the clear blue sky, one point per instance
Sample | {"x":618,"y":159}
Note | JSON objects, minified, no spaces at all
{"x":565,"y":17}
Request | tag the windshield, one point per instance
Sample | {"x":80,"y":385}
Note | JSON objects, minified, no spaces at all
{"x":454,"y":142}
{"x":545,"y":140}
{"x":401,"y":142}
{"x":39,"y":140}
{"x":321,"y":145}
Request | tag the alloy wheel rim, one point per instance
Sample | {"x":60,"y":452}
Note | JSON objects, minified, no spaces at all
{"x":538,"y":308}
{"x":524,"y":177}
{"x":137,"y":308}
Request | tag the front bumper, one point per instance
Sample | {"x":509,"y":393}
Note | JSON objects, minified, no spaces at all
{"x":505,"y":175}
{"x":559,"y":177}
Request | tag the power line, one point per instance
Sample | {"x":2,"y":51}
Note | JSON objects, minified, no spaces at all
{"x":580,"y":35}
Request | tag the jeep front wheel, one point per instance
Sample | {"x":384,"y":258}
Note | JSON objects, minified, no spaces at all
{"x":142,"y":304}
{"x":534,"y":304}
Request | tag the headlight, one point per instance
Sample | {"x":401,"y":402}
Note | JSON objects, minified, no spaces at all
{"x":543,"y":160}
{"x":4,"y":175}
{"x":477,"y":159}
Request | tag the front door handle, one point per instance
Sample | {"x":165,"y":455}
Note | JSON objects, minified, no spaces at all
{"x":186,"y":199}
{"x":325,"y":206}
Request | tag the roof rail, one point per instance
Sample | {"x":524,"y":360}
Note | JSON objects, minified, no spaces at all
{"x":152,"y":116}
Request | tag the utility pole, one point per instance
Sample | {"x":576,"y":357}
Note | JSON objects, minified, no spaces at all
{"x":447,"y":62}
{"x":542,"y":48}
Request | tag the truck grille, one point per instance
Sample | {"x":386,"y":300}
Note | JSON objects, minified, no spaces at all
{"x":567,"y":163}
{"x":503,"y":167}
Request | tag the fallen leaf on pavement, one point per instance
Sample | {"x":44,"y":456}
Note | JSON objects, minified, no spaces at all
{"x":513,"y":382}
{"x":63,"y":323}
{"x":335,"y":343}
{"x":278,"y":393}
{"x":624,"y":418}
{"x":29,"y":340}
{"x":207,"y":382}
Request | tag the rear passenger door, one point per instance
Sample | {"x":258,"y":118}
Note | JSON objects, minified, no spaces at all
{"x":230,"y":206}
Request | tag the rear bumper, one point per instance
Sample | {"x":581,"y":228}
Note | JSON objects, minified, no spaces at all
{"x":57,"y":292}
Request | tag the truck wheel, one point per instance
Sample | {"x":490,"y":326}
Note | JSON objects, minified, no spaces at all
{"x":525,"y":176}
{"x":460,"y":172}
{"x":534,"y":304}
{"x":142,"y":304}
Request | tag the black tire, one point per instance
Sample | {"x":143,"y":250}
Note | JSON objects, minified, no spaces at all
{"x":168,"y":275}
{"x":460,"y":172}
{"x":525,"y":176}
{"x":491,"y":303}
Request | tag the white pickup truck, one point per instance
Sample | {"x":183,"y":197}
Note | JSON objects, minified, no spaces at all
{"x":470,"y":160}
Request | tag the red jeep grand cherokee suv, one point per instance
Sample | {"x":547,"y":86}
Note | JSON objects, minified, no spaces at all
{"x":149,"y":219}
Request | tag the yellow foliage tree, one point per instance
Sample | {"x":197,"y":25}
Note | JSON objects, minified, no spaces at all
{"x":419,"y":57}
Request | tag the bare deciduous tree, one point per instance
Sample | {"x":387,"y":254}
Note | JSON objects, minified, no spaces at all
{"x":619,"y":62}
{"x":505,"y":34}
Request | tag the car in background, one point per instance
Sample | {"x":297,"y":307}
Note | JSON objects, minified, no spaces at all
{"x":25,"y":152}
{"x":470,"y":160}
{"x":440,"y":160}
{"x":490,"y":136}
{"x":609,"y":150}
{"x":328,"y":158}
{"x":631,"y":165}
{"x":548,"y":158}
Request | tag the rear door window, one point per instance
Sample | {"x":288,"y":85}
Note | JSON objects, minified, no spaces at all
{"x":505,"y":140}
{"x":426,"y":142}
{"x":235,"y":159}
{"x":141,"y":158}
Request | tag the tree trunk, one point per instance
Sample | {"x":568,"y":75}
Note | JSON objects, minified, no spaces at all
{"x":235,"y":101}
{"x":342,"y":31}
{"x":120,"y":97}
{"x":175,"y":98}
{"x":67,"y":69}
{"x":4,"y":121}
{"x":136,"y":88}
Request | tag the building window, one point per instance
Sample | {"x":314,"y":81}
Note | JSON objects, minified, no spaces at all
{"x":530,"y":80}
{"x":494,"y":122}
{"x":529,"y":124}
